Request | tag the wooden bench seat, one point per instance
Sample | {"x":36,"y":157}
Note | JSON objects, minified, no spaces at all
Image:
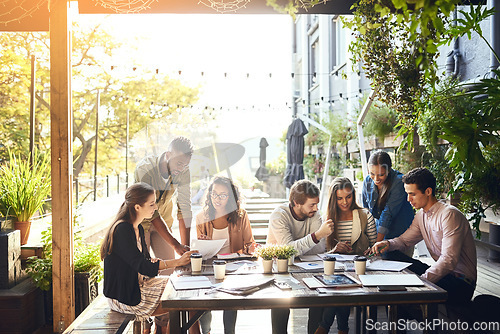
{"x":98,"y":317}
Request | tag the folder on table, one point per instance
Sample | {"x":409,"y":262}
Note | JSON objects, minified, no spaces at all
{"x":191,"y":282}
{"x":402,"y":279}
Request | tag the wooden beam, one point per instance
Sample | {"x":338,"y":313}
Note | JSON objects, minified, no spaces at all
{"x":198,"y":7}
{"x":62,"y":164}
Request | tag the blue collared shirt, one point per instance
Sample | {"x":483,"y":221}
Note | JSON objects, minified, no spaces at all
{"x":397,"y":214}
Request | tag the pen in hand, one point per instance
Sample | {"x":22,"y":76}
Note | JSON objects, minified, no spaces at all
{"x":376,"y":253}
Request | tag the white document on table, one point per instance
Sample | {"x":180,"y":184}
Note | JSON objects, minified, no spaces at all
{"x":387,"y":265}
{"x":309,"y":258}
{"x":310,"y":265}
{"x":401,"y":279}
{"x":207,"y":248}
{"x":341,"y":257}
{"x":190,"y":282}
{"x":242,"y":266}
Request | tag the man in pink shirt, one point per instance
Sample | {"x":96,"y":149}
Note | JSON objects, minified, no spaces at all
{"x":446,"y":233}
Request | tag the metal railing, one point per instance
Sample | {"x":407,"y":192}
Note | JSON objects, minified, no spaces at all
{"x":92,"y":189}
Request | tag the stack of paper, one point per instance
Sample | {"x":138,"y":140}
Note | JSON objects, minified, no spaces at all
{"x":241,"y":266}
{"x":244,"y":285}
{"x":233,"y":256}
{"x":387,"y":265}
{"x":208,"y":248}
{"x":190,"y":282}
{"x":341,"y":257}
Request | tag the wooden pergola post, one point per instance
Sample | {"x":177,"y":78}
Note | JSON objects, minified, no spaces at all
{"x":62,"y":164}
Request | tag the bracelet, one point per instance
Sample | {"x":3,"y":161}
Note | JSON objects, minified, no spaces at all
{"x":165,"y":263}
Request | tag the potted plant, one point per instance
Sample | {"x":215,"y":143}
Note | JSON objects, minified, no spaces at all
{"x":24,"y":186}
{"x":266,"y":253}
{"x":284,"y":254}
{"x":88,"y":272}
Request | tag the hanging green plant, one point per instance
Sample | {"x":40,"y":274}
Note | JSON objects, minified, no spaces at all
{"x":396,"y":64}
{"x":380,"y":121}
{"x":292,"y":7}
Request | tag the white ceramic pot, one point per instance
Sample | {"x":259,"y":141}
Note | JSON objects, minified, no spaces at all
{"x":291,"y":260}
{"x":282,"y":265}
{"x":267,"y":266}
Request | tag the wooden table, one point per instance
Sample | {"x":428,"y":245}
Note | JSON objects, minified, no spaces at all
{"x":180,"y":302}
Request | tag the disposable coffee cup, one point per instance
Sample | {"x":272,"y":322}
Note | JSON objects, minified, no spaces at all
{"x":196,"y":261}
{"x":360,"y":264}
{"x":219,"y":269}
{"x":329,"y":265}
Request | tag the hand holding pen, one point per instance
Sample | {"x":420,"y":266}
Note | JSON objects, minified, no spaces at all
{"x":379,"y":248}
{"x":342,"y":247}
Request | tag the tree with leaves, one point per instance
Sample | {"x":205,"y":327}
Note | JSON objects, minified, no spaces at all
{"x":147,"y":98}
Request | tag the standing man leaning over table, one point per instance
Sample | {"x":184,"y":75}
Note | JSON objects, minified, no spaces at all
{"x":446,"y":233}
{"x":298,"y":223}
{"x":169,"y":175}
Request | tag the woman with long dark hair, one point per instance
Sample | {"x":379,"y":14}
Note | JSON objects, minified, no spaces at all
{"x":129,"y":272}
{"x":354,"y":232}
{"x":384,"y":195}
{"x":223,"y":218}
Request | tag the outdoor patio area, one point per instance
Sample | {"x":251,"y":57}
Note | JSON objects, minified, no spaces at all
{"x":141,"y":137}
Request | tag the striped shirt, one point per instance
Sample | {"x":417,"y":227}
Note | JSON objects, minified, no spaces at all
{"x":344,"y":230}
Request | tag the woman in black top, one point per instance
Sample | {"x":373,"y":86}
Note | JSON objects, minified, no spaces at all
{"x":129,"y":272}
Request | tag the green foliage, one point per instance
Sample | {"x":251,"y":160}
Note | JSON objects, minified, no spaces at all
{"x":284,"y":251}
{"x":315,"y":137}
{"x":470,"y":121}
{"x":40,"y":270}
{"x":265,"y":252}
{"x":268,"y":252}
{"x":471,"y":22}
{"x":338,"y":129}
{"x":396,"y":64}
{"x":86,"y":258}
{"x":481,"y":191}
{"x":397,"y":41}
{"x":92,"y":47}
{"x":438,"y":165}
{"x":380,"y":121}
{"x":24,"y":185}
{"x":292,"y":7}
{"x":15,"y":76}
{"x":277,"y":166}
{"x":308,"y":165}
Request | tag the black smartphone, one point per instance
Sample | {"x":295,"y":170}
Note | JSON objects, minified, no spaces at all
{"x":391,"y":288}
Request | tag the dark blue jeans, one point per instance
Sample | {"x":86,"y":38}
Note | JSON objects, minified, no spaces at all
{"x":458,"y":290}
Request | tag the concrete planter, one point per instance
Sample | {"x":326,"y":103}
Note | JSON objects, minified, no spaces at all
{"x":267,"y":266}
{"x":282,"y":265}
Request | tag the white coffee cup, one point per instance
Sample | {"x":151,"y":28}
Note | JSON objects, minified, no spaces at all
{"x":360,"y":264}
{"x":329,"y":265}
{"x":196,"y":261}
{"x":219,"y":269}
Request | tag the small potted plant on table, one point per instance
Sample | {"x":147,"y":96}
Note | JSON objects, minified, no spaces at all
{"x":266,"y":253}
{"x":284,"y":253}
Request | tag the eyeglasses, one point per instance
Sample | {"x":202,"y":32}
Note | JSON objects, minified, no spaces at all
{"x":222,"y":196}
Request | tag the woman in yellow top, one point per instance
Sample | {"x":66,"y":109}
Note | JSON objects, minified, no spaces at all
{"x":223,"y":218}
